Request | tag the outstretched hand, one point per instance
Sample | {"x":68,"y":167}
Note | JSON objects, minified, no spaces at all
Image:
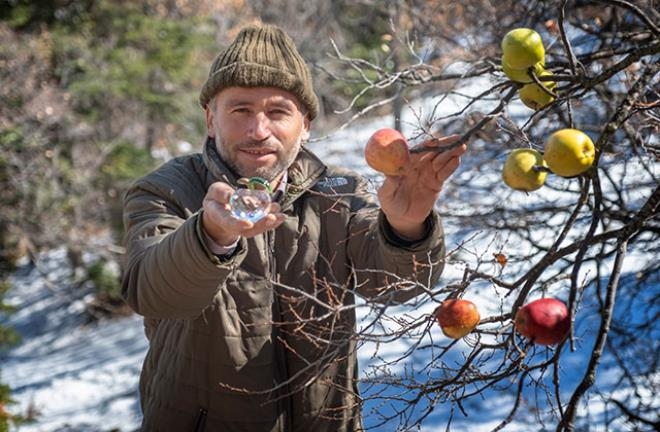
{"x":222,"y":227}
{"x":407,"y":200}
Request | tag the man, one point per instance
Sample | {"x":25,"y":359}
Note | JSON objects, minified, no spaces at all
{"x":251,"y":324}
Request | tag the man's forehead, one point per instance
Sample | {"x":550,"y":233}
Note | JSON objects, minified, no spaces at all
{"x":234,"y":95}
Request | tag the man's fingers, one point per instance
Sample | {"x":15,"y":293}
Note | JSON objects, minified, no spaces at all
{"x":267,"y":223}
{"x":447,"y":169}
{"x":221,"y":215}
{"x":389,"y":186}
{"x":441,"y":159}
{"x":441,"y":141}
{"x":220,"y":192}
{"x":436,"y":147}
{"x":274,"y":207}
{"x":427,"y":164}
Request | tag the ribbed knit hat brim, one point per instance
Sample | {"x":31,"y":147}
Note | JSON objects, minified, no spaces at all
{"x":262,"y":57}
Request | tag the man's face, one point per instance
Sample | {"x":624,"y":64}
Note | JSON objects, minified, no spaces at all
{"x":258,"y":131}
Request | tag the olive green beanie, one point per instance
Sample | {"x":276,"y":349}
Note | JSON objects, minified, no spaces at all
{"x":262,"y":56}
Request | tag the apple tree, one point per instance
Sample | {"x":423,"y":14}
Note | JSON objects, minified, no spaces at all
{"x":587,"y":235}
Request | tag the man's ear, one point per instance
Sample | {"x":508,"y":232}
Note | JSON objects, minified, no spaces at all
{"x":305,"y":132}
{"x":210,"y":121}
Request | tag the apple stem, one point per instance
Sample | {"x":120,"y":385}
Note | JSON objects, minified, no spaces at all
{"x":541,"y":168}
{"x":539,"y":82}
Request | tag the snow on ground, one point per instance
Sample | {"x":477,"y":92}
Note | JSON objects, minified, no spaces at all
{"x":74,"y":376}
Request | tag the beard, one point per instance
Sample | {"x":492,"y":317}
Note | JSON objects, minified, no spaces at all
{"x":271,"y":172}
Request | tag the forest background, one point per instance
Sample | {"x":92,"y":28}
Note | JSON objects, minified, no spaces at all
{"x":94,"y":93}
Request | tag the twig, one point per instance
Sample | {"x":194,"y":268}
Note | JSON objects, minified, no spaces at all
{"x":465,"y":137}
{"x":567,"y":422}
{"x":567,"y":46}
{"x":637,"y":11}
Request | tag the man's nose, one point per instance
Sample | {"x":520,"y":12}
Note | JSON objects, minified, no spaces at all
{"x":259,"y":127}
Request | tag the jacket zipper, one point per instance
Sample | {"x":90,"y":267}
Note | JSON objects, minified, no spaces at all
{"x":280,"y":356}
{"x":200,"y":423}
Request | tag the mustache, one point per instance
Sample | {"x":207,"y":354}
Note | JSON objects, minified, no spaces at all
{"x":258,"y":145}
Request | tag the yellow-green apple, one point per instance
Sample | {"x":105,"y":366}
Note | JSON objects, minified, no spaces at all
{"x":569,"y":152}
{"x":387,"y":152}
{"x":534,"y":96}
{"x":457,"y":317}
{"x":544,"y":321}
{"x":522,"y":48}
{"x":524,"y":170}
{"x":522,"y":75}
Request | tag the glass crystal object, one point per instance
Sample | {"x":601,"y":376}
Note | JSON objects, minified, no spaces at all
{"x":251,"y":203}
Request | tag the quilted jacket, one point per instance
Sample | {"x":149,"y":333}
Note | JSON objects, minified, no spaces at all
{"x":262,"y":340}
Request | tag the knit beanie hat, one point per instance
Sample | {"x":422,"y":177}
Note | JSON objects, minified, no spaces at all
{"x":262,"y":56}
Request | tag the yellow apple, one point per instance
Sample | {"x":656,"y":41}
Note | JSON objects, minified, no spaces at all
{"x":522,"y":75}
{"x":522,"y":48}
{"x":569,"y":152}
{"x":524,"y":170}
{"x":534,"y":96}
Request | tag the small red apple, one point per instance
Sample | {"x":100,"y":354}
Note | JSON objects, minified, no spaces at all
{"x":457,"y":317}
{"x":544,"y":321}
{"x":387,"y":152}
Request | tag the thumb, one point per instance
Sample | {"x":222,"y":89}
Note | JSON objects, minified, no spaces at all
{"x":388,"y":187}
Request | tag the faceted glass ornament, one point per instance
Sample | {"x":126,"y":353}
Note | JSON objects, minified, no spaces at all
{"x":249,"y":204}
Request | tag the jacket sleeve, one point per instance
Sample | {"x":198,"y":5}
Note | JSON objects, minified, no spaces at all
{"x":169,"y":272}
{"x":386,"y":268}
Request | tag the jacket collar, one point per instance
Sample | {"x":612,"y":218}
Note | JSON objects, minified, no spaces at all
{"x":303,"y":173}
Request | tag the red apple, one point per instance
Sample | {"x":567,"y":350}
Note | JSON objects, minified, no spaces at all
{"x":387,"y":152}
{"x":457,"y":317}
{"x":544,"y":321}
